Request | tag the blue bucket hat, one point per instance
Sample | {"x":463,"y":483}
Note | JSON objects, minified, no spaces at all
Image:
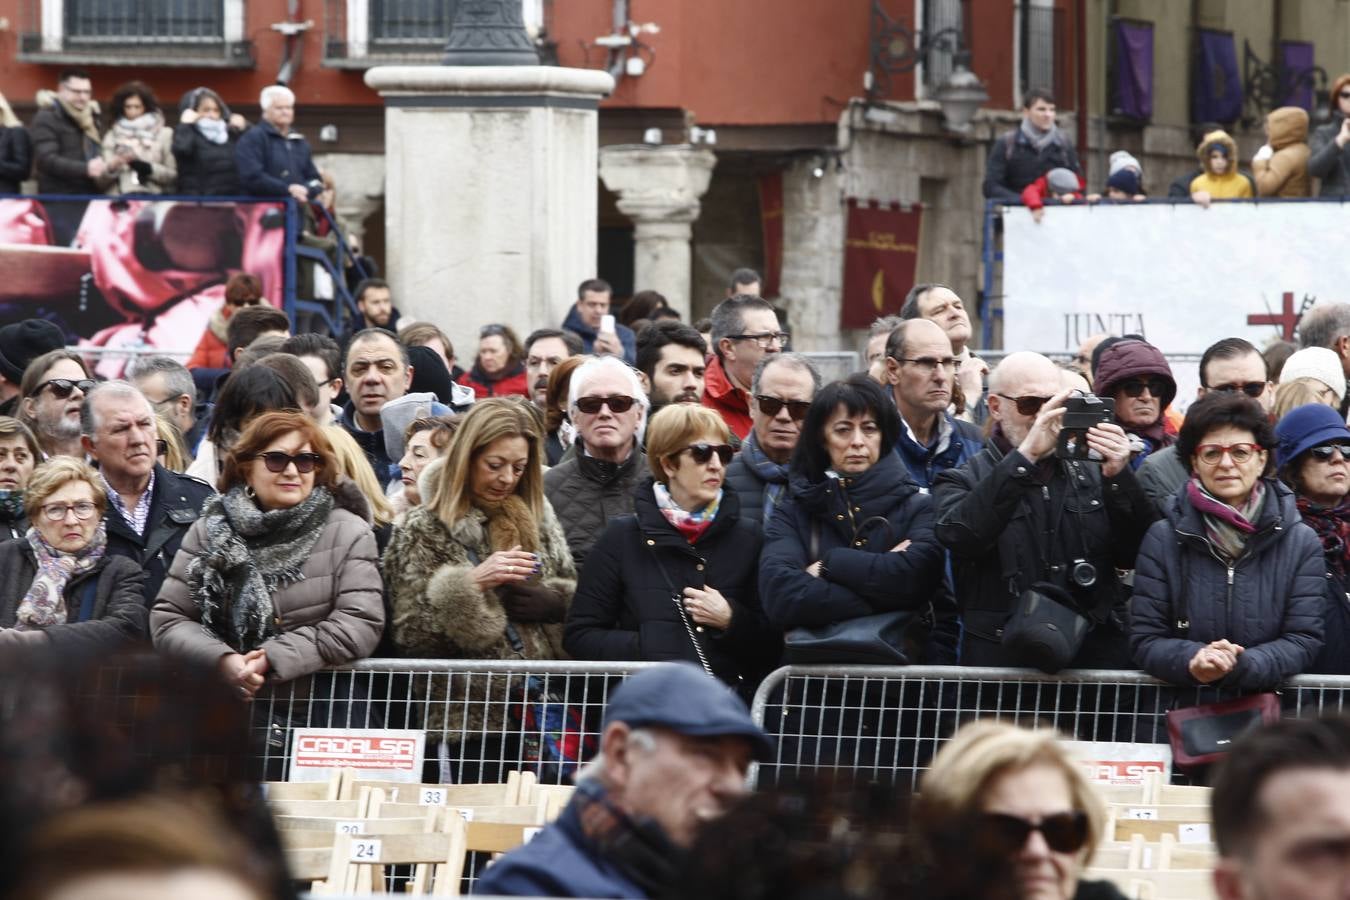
{"x":1305,"y":427}
{"x":685,"y":699}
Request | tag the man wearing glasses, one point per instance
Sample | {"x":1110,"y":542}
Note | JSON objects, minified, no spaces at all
{"x":594,"y":481}
{"x":1016,"y":515}
{"x":782,"y":389}
{"x":1231,"y":364}
{"x":744,"y":330}
{"x":921,"y":370}
{"x":168,"y":385}
{"x":53,"y":389}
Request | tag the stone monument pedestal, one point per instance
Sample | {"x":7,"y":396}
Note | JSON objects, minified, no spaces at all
{"x":490,"y":193}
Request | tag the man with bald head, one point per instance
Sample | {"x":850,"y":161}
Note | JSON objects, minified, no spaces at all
{"x":1016,"y":515}
{"x":920,"y":371}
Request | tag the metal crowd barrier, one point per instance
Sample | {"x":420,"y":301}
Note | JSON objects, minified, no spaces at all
{"x":884,"y":724}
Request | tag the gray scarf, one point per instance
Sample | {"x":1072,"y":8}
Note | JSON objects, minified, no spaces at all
{"x":1041,"y":139}
{"x":249,"y":555}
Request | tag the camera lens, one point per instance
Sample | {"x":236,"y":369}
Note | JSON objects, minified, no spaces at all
{"x":1084,"y":573}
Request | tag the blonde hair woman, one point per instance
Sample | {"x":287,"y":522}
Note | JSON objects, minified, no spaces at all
{"x":1005,"y":812}
{"x":169,"y":449}
{"x":481,"y":571}
{"x":351,"y":461}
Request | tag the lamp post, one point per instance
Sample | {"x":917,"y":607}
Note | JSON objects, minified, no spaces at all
{"x":489,"y":33}
{"x":897,"y":48}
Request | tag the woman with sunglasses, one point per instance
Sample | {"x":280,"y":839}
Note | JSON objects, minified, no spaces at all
{"x":1005,"y":812}
{"x":676,"y":580}
{"x":1313,"y":456}
{"x":279,"y":578}
{"x":1135,"y":374}
{"x":1229,"y":588}
{"x":499,"y":369}
{"x":59,"y":587}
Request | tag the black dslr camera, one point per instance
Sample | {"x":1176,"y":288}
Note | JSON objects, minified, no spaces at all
{"x":1082,"y":412}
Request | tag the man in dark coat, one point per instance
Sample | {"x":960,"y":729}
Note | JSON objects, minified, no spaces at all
{"x":1016,"y":515}
{"x":1020,"y":156}
{"x":378,"y":370}
{"x":921,"y":369}
{"x":149,"y":508}
{"x":274,"y":161}
{"x":68,"y":150}
{"x":587,"y":316}
{"x":675,"y":746}
{"x":785,"y":383}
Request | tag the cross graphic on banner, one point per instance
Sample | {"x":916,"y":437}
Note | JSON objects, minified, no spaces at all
{"x":1287,"y":320}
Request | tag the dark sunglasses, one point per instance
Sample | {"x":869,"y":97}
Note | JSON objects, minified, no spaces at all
{"x":276,"y":461}
{"x":1064,"y":832}
{"x":701,"y":453}
{"x":1324,"y":452}
{"x":772,"y":406}
{"x":1135,"y":387}
{"x":1027,"y":406}
{"x":1252,"y":389}
{"x":64,"y":387}
{"x":591,"y":405}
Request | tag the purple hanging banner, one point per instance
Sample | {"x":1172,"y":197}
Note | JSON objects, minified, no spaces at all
{"x":1296,"y":61}
{"x":1134,"y":70}
{"x":1216,"y":94}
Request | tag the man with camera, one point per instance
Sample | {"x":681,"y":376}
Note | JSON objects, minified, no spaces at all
{"x":1038,"y":523}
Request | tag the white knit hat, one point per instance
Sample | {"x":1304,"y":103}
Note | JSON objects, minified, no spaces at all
{"x":1123,"y":159}
{"x":1319,"y":363}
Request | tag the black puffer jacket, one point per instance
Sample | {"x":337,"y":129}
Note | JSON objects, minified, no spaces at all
{"x":1271,"y":601}
{"x":861,"y":576}
{"x":16,"y":158}
{"x":993,"y":515}
{"x":1327,"y":161}
{"x":105,"y":607}
{"x":204,"y":167}
{"x":587,"y":493}
{"x":62,"y":152}
{"x":1014,"y":162}
{"x":623,"y":608}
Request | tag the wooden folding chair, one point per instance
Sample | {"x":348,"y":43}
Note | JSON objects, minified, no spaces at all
{"x":358,"y":861}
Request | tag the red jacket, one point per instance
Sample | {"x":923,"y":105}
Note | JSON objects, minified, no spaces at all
{"x":211,"y":349}
{"x":512,"y":382}
{"x":1034,"y":195}
{"x":731,"y":403}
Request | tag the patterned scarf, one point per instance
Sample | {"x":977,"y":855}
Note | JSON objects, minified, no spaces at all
{"x":249,"y":555}
{"x":1227,"y":527}
{"x":638,"y":848}
{"x":45,"y":602}
{"x":1332,"y":524}
{"x":774,"y":476}
{"x":690,"y":524}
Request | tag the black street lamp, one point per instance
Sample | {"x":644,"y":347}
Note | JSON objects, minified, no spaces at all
{"x":894,"y":48}
{"x":489,"y":33}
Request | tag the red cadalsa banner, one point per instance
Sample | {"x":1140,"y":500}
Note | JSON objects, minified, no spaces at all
{"x":881,"y":250}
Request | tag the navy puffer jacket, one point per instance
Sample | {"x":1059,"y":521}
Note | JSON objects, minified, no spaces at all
{"x":1271,"y":601}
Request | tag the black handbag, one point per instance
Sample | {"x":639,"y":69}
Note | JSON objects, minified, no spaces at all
{"x":883,"y":639}
{"x":1046,"y":630}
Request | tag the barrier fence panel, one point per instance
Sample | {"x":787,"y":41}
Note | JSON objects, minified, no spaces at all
{"x":884,"y":724}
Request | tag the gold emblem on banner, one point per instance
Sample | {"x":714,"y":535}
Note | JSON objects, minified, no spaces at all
{"x":879,"y":290}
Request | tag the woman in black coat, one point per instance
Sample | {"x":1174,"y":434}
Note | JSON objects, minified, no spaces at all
{"x":16,"y":151}
{"x":203,"y":145}
{"x":677,"y":579}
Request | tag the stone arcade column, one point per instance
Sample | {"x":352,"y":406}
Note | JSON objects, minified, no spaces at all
{"x":490,"y":192}
{"x":659,"y":189}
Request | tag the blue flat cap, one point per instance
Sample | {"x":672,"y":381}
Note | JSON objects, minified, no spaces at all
{"x":685,"y":699}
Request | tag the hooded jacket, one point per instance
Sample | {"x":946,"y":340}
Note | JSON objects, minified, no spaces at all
{"x":1270,"y":600}
{"x":204,"y":167}
{"x":1231,"y":185}
{"x":1128,"y":359}
{"x":1285,"y":174}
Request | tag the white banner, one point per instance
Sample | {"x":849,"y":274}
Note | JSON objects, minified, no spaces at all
{"x":1181,"y":275}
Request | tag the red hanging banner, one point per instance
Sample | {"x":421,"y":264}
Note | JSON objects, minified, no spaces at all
{"x":771,"y":223}
{"x":881,"y":252}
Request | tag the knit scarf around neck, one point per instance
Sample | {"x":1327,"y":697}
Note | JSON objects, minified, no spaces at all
{"x":1041,"y":139}
{"x":83,"y":119}
{"x":217,"y":131}
{"x":139,"y":133}
{"x":1332,"y":524}
{"x":637,"y":847}
{"x":45,"y":602}
{"x":690,"y":524}
{"x":774,"y":475}
{"x":509,"y":524}
{"x":249,"y":555}
{"x":1227,"y":527}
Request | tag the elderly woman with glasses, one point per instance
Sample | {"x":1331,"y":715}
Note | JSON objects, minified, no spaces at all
{"x":1229,"y":588}
{"x":59,"y":586}
{"x":1004,"y":813}
{"x":280,"y":576}
{"x":676,"y":580}
{"x":499,"y":369}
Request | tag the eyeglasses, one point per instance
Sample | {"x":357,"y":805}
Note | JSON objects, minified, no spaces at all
{"x":1064,"y":832}
{"x":617,"y":404}
{"x":57,"y":512}
{"x":701,"y":453}
{"x":929,"y":364}
{"x":276,"y":461}
{"x":1212,"y":454}
{"x":765,"y":339}
{"x":64,"y":387}
{"x":1026,"y":406}
{"x":1135,"y":387}
{"x":1325,"y":452}
{"x":1252,"y":389}
{"x":772,"y":406}
{"x":165,"y":401}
